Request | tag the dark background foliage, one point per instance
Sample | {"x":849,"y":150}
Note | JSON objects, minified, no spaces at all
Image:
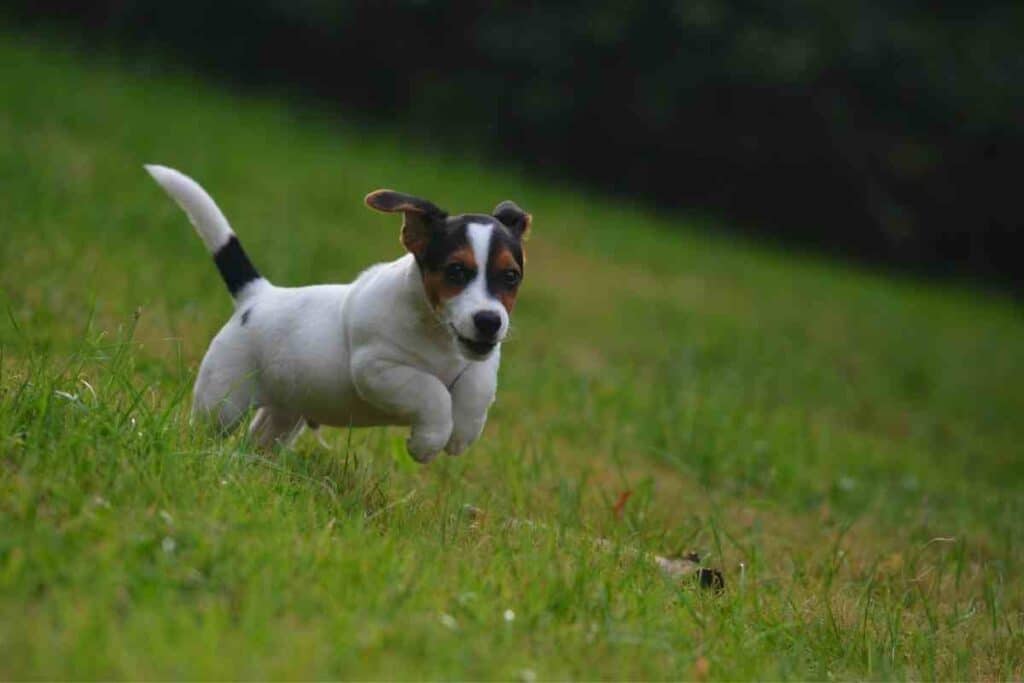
{"x":881,"y":129}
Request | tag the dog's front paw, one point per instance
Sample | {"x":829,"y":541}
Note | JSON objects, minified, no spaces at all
{"x":463,"y":436}
{"x":455,"y":445}
{"x":424,"y":445}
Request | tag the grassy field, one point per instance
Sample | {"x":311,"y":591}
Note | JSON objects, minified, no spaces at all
{"x":846,"y":447}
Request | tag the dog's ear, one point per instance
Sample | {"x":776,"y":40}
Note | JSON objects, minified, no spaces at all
{"x":513,"y":218}
{"x":421,"y":217}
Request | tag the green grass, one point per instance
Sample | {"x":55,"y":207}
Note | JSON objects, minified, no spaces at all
{"x":845,"y":446}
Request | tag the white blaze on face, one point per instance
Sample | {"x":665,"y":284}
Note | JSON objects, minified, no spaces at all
{"x":475,"y":298}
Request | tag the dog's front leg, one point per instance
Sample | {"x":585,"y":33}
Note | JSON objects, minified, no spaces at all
{"x":472,"y":395}
{"x":412,"y":395}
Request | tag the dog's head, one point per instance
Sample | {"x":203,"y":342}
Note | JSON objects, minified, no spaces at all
{"x":471,"y":265}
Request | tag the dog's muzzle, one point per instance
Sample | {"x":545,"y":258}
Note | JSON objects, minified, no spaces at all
{"x":477,"y":350}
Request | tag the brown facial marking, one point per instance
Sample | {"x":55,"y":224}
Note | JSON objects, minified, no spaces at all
{"x":501,"y":261}
{"x":435,"y":281}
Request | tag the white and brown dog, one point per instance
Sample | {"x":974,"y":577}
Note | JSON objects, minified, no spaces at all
{"x":412,"y":342}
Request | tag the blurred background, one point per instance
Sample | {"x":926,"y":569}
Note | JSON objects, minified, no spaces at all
{"x":882,"y":131}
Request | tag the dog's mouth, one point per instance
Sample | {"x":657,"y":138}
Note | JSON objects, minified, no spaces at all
{"x":474,"y":349}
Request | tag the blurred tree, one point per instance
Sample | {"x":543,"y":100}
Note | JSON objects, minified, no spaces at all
{"x":886,"y":130}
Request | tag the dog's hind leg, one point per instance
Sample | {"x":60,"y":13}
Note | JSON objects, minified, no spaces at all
{"x":223,"y":400}
{"x":227,"y":386}
{"x":269,"y":428}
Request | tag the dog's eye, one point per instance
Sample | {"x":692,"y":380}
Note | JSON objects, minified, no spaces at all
{"x":458,"y":274}
{"x":510,"y":278}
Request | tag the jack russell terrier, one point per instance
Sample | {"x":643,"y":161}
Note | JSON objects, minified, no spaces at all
{"x":416,"y":341}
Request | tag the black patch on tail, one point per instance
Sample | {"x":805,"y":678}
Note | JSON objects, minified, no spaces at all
{"x":234,"y":266}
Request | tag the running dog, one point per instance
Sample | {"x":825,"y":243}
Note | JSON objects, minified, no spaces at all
{"x":414,"y":342}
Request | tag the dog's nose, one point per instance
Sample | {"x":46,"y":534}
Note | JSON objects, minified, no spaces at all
{"x":487,"y":323}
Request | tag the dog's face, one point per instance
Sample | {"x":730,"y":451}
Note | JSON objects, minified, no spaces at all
{"x":471,"y":265}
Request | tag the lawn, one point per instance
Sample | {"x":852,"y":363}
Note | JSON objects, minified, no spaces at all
{"x":845,"y":445}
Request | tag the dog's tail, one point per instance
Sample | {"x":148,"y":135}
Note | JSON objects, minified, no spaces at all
{"x":234,"y":265}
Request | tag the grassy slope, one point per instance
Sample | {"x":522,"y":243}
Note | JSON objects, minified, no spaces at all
{"x":810,"y":427}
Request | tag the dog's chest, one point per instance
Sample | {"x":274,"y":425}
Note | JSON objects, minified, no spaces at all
{"x":306,"y":355}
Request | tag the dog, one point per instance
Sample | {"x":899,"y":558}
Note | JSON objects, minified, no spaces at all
{"x":414,"y":342}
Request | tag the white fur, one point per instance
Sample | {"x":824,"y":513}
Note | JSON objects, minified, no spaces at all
{"x":362,"y":354}
{"x":200,"y":208}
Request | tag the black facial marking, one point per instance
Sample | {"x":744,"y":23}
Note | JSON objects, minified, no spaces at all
{"x":454,"y":236}
{"x":234,"y":265}
{"x":458,"y":275}
{"x":442,"y":243}
{"x":245,"y":316}
{"x":501,"y":239}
